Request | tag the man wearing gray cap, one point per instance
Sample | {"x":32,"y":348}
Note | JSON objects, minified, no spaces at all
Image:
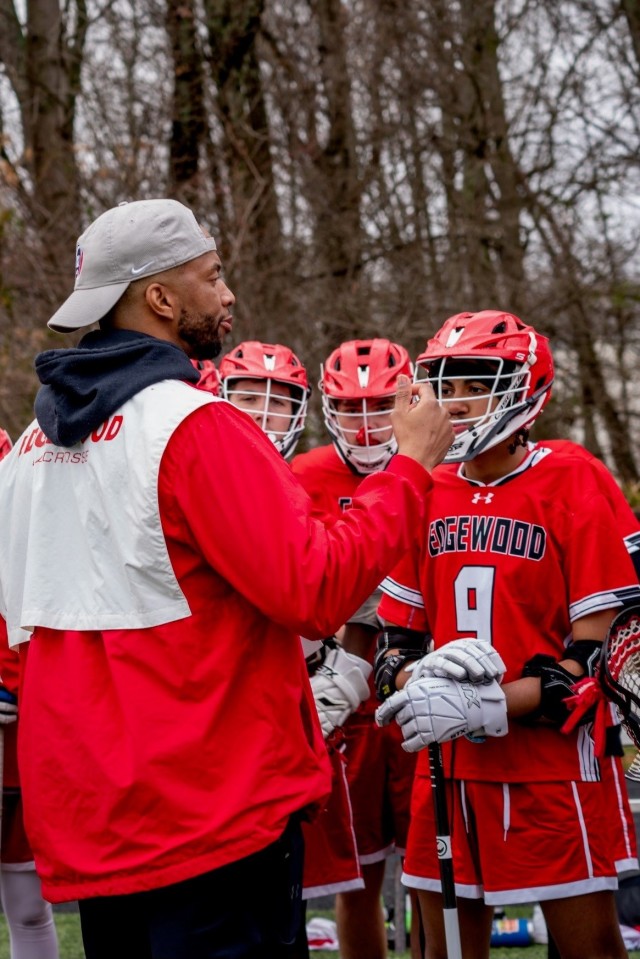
{"x":158,"y":562}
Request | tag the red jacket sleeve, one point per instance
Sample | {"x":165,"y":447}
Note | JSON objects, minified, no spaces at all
{"x":255,"y":523}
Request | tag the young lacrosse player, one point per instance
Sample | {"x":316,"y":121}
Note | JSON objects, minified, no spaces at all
{"x":516,"y":574}
{"x":269,"y":382}
{"x":358,"y":381}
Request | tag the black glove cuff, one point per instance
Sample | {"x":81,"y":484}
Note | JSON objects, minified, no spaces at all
{"x":411,"y":646}
{"x":317,"y":659}
{"x":386,"y":673}
{"x":556,"y":686}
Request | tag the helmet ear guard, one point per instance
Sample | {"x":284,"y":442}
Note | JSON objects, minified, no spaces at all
{"x":515,"y":362}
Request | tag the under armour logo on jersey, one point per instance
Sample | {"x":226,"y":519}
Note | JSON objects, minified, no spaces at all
{"x":482,"y":497}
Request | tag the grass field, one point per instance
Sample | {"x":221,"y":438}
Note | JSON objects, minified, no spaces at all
{"x":68,"y":926}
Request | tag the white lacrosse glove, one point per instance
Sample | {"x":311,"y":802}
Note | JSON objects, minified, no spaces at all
{"x":8,"y":707}
{"x":435,"y":709}
{"x":462,"y":659}
{"x":339,"y":686}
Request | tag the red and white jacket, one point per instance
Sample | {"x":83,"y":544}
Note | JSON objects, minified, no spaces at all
{"x":156,"y":752}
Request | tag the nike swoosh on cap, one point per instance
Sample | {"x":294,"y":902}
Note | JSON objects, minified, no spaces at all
{"x":139,"y":269}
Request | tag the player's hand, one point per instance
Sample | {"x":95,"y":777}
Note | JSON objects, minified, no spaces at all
{"x":435,"y":709}
{"x":8,"y":707}
{"x":471,"y":659}
{"x":421,"y":426}
{"x":339,"y":686}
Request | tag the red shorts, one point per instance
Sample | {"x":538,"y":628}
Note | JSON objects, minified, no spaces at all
{"x":516,"y":842}
{"x":380,"y":775}
{"x":15,"y":851}
{"x":330,"y":858}
{"x":622,"y":824}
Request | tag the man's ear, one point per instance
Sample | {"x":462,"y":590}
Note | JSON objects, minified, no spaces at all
{"x":161,"y":299}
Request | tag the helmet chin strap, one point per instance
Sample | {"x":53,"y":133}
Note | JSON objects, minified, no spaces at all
{"x":520,"y":438}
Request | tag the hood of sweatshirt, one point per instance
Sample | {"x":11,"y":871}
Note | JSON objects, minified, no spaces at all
{"x":83,"y":386}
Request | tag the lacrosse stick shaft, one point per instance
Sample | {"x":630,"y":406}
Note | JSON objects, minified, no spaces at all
{"x":445,"y":860}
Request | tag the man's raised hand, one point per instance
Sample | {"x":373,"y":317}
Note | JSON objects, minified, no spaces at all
{"x":422,"y":428}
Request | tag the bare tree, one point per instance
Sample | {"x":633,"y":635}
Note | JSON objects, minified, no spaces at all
{"x":631,"y":10}
{"x":368,"y":167}
{"x":248,"y":211}
{"x":189,"y":124}
{"x":42,"y":60}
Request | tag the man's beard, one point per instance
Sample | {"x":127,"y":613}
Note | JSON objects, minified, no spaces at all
{"x":200,"y":331}
{"x":210,"y":352}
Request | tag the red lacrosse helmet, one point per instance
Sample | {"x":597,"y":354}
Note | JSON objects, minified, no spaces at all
{"x":5,"y":444}
{"x":209,"y":376}
{"x":508,"y":356}
{"x":364,"y":372}
{"x":268,"y":363}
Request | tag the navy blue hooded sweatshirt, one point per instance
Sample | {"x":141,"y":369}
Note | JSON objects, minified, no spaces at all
{"x":83,"y":386}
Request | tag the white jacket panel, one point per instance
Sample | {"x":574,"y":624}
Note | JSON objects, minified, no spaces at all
{"x":95,"y":557}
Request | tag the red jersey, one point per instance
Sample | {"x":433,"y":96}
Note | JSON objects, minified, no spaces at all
{"x":626,"y":520}
{"x":5,"y":444}
{"x":332,"y":485}
{"x":327,"y":479}
{"x":9,"y":675}
{"x":152,"y":755}
{"x":515,"y":562}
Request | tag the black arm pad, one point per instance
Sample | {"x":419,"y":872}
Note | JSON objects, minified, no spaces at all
{"x":411,"y":646}
{"x":556,"y":684}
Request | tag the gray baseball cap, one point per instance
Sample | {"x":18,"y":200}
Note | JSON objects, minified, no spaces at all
{"x":128,"y":242}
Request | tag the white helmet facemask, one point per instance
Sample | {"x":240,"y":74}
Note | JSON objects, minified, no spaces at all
{"x":363,"y":439}
{"x":507,"y":408}
{"x":283,"y":429}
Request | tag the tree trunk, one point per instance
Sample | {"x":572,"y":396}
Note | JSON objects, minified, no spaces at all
{"x":51,"y":71}
{"x":254,"y":246}
{"x":188,"y":123}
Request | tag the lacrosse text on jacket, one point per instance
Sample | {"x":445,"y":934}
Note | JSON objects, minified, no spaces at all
{"x":106,"y":431}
